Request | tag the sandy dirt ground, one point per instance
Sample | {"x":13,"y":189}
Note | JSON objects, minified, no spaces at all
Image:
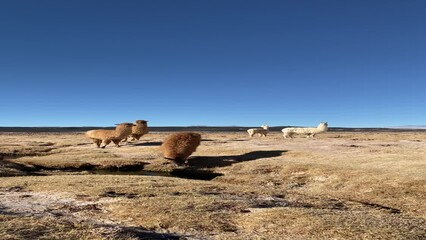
{"x":340,"y":185}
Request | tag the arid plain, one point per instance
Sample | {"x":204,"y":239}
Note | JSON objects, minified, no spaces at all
{"x":340,"y":185}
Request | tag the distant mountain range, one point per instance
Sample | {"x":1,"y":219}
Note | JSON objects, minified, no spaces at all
{"x":411,"y":127}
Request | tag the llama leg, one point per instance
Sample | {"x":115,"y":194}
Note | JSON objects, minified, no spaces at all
{"x":116,"y":142}
{"x":97,"y":142}
{"x":106,"y":142}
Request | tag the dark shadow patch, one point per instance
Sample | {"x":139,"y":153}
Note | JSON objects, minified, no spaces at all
{"x":378,"y":206}
{"x":193,"y":173}
{"x":141,"y":233}
{"x":337,"y":206}
{"x":222,"y":161}
{"x":17,"y":166}
{"x":270,"y":204}
{"x":274,"y":202}
{"x":46,"y":144}
{"x":6,"y":211}
{"x":73,"y":208}
{"x":125,"y":168}
{"x":3,"y":210}
{"x":94,"y":167}
{"x":15,"y":189}
{"x":78,"y":144}
{"x":188,"y":173}
{"x":11,"y":168}
{"x":388,"y":145}
{"x":121,"y":172}
{"x":352,"y":146}
{"x":146,"y":144}
{"x":114,"y":194}
{"x":82,"y":167}
{"x":279,"y":201}
{"x":296,"y":185}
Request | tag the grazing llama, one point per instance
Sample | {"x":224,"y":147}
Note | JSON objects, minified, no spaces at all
{"x":310,"y":132}
{"x":263,"y":131}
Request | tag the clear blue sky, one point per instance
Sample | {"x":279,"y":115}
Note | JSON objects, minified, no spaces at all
{"x":228,"y":62}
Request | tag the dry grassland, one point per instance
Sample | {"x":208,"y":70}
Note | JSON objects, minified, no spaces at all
{"x":341,"y":185}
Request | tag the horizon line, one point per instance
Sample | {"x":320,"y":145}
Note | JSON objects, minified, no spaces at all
{"x":222,"y":126}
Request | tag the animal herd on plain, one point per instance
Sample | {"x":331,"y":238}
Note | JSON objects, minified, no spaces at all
{"x":179,"y":146}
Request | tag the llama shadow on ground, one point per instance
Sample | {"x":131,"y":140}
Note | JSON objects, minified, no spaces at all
{"x":194,"y":173}
{"x":146,"y":144}
{"x":222,"y":161}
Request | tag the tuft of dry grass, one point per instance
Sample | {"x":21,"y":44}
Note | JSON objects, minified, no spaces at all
{"x":23,"y":227}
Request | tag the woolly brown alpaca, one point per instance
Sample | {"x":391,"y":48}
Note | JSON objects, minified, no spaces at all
{"x":139,"y":129}
{"x":105,"y":137}
{"x":179,"y":146}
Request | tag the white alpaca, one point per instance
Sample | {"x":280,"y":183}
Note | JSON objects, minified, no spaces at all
{"x":289,"y":132}
{"x":263,"y":131}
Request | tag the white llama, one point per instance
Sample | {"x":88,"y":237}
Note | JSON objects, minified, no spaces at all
{"x":263,"y":131}
{"x":311,"y":132}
